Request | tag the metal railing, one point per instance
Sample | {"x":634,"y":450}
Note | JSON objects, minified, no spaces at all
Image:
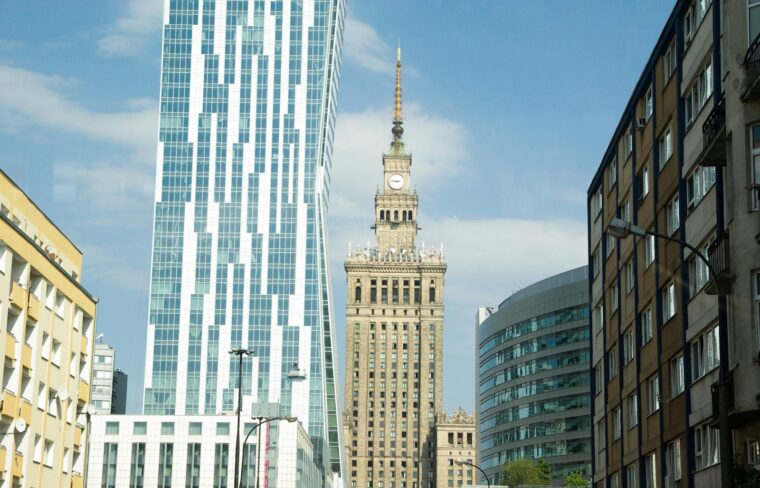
{"x":715,"y":122}
{"x":751,"y":65}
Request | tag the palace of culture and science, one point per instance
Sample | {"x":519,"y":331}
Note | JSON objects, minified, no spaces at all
{"x":394,"y":337}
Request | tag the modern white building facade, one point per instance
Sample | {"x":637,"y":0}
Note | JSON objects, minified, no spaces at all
{"x":197,"y":451}
{"x":109,"y":385}
{"x":247,"y":117}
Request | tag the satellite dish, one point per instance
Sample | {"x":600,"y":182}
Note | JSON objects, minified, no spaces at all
{"x":63,"y":394}
{"x":51,"y":251}
{"x":90,"y":409}
{"x":20,"y":425}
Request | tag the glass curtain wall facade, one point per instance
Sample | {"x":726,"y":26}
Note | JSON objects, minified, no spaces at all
{"x":533,"y":378}
{"x":247,"y":116}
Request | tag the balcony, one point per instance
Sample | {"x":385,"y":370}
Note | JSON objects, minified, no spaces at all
{"x":26,"y":411}
{"x":83,"y":346}
{"x":77,"y":481}
{"x":751,"y":65}
{"x":2,"y":458}
{"x":33,"y":308}
{"x":10,"y":347}
{"x":84,"y":392}
{"x":718,"y":255}
{"x":26,"y":356}
{"x":18,"y":295}
{"x":715,"y":394}
{"x":78,"y":431}
{"x":9,"y":405}
{"x":714,"y":137}
{"x":17,"y":469}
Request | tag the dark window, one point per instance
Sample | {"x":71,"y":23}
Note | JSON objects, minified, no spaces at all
{"x":358,"y":294}
{"x":417,"y":291}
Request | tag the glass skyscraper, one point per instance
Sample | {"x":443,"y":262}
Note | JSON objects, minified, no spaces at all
{"x":247,"y":116}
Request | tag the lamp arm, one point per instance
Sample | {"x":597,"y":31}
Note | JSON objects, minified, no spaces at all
{"x":488,"y":482}
{"x":693,"y":249}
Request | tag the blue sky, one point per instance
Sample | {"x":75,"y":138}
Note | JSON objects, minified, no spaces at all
{"x":509,"y":107}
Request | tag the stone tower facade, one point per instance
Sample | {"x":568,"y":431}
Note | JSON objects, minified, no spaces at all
{"x":394,"y":338}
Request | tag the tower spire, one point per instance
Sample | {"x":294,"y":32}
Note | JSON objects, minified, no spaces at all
{"x":398,"y":145}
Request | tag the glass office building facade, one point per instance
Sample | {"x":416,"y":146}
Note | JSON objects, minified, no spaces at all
{"x":534,"y":379}
{"x":247,"y":114}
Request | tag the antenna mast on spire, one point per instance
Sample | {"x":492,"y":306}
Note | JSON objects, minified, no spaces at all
{"x":397,"y":145}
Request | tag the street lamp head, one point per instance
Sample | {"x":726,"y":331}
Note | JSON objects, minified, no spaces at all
{"x":290,"y":418}
{"x":621,"y":229}
{"x":240,"y":352}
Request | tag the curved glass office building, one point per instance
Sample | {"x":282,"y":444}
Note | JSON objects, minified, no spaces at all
{"x":534,"y":379}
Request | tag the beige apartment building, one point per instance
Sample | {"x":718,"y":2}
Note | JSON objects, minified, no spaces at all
{"x":47,"y":322}
{"x":667,"y":335}
{"x":394,"y":338}
{"x":455,"y":440}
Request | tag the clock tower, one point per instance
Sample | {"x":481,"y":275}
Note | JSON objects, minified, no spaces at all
{"x":394,"y":337}
{"x":396,"y":205}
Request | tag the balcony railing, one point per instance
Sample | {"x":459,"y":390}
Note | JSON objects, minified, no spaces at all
{"x":714,"y":136}
{"x":720,"y":260}
{"x":751,"y":66}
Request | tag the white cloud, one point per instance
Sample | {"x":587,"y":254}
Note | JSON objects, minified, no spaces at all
{"x":129,"y":35}
{"x":438,"y":146}
{"x":362,"y":45}
{"x":37,"y":99}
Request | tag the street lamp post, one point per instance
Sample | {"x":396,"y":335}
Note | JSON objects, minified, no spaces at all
{"x":621,"y":229}
{"x":261,"y":421}
{"x":239,"y":353}
{"x":461,"y":462}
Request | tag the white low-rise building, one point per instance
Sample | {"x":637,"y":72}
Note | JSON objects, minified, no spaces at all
{"x":198,"y":451}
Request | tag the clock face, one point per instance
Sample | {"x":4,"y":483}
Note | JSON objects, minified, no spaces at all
{"x":396,"y":181}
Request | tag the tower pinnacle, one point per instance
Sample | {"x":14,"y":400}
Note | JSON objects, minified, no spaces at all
{"x":398,"y":145}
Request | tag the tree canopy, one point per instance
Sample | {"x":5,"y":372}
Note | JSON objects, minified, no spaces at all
{"x":576,"y":480}
{"x":527,"y":472}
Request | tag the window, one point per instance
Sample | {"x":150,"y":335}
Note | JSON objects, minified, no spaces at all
{"x":615,"y":480}
{"x":633,"y":410}
{"x":653,"y":388}
{"x":754,"y":169}
{"x":646,"y":325}
{"x":630,"y":474}
{"x":753,"y":19}
{"x":612,"y":360}
{"x":45,"y":353}
{"x":112,"y":428}
{"x":649,"y":250}
{"x":49,"y":453}
{"x":601,"y":434}
{"x":699,"y":273}
{"x":596,"y":203}
{"x":37,"y":449}
{"x":599,"y":378}
{"x":52,"y":402}
{"x":625,"y":210}
{"x":165,"y":460}
{"x":628,"y":346}
{"x":167,"y":428}
{"x":195,"y":428}
{"x":677,"y":383}
{"x":668,"y":302}
{"x":753,"y":452}
{"x":140,"y":428}
{"x":597,"y":317}
{"x":669,"y":61}
{"x":221,"y":461}
{"x":665,"y":145}
{"x":650,"y":470}
{"x":610,"y":244}
{"x":642,"y":183}
{"x":698,"y":93}
{"x":137,"y":466}
{"x":60,"y":305}
{"x":222,"y":428}
{"x":648,"y":104}
{"x":693,"y":19}
{"x":705,"y":353}
{"x":110,"y":450}
{"x":629,"y":276}
{"x":57,"y":353}
{"x":614,"y":297}
{"x":698,"y":184}
{"x":673,"y":216}
{"x":617,"y":425}
{"x":193,"y":474}
{"x":706,"y":446}
{"x":596,"y":262}
{"x":629,"y":141}
{"x":612,"y":174}
{"x":673,"y":459}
